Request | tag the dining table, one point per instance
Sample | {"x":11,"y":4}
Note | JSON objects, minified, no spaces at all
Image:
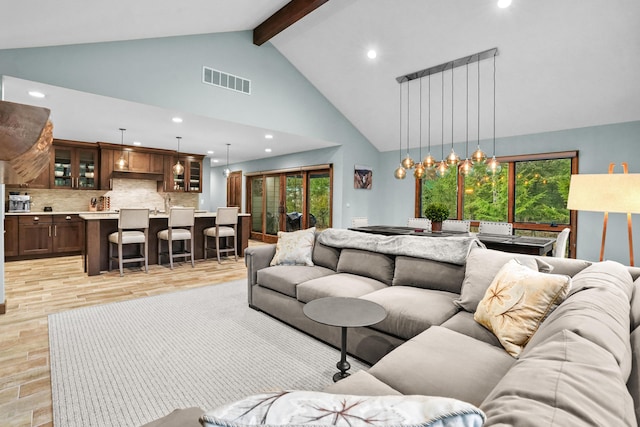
{"x":503,"y":242}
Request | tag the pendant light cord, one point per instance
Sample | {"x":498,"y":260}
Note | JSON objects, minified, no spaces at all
{"x":429,"y":122}
{"x":400,"y":122}
{"x":408,"y":118}
{"x":466,"y":148}
{"x":452,"y":106}
{"x":494,"y":105}
{"x":420,"y":122}
{"x":442,"y":109}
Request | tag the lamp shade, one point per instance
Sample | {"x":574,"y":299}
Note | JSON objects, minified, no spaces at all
{"x":605,"y":193}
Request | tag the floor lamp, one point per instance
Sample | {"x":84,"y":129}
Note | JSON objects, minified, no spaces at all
{"x":619,"y":193}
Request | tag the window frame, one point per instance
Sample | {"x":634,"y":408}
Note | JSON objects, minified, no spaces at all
{"x":511,"y":189}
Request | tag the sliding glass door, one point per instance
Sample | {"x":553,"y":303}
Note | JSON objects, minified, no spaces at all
{"x":289,"y":201}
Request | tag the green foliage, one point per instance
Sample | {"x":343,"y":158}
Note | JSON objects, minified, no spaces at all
{"x":541,"y":191}
{"x":436,"y":212}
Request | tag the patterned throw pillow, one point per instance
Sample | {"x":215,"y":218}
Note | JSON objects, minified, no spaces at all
{"x":295,"y":248}
{"x":517,"y":301}
{"x":299,"y":408}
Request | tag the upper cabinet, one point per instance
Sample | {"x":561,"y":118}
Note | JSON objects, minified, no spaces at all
{"x":149,"y":163}
{"x":74,"y":165}
{"x":190,"y":180}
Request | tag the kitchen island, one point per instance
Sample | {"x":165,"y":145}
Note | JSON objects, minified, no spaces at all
{"x":98,"y":226}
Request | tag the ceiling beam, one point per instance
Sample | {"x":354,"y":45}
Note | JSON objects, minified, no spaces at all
{"x":290,"y":13}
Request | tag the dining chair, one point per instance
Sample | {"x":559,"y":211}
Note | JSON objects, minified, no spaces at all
{"x":456,"y":225}
{"x":560,"y":248}
{"x":133,"y":228}
{"x":490,"y":227}
{"x":419,"y":223}
{"x":181,"y":222}
{"x":226,"y":226}
{"x":359,"y":221}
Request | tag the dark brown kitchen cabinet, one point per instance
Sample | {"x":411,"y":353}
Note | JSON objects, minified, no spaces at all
{"x":49,"y":234}
{"x":190,"y":180}
{"x":10,"y":236}
{"x":74,"y":165}
{"x":35,"y":233}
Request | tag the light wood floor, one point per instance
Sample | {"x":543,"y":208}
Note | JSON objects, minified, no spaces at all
{"x":37,"y":288}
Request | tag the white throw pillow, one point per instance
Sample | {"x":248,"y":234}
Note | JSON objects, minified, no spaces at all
{"x":517,"y":301}
{"x":295,"y":248}
{"x":316,"y":408}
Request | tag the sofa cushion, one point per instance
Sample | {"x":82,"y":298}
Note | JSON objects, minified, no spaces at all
{"x":337,"y":285}
{"x":441,"y":362}
{"x":363,"y":384}
{"x":633,"y":385}
{"x":285,"y":278}
{"x":428,"y":274}
{"x":326,"y":256}
{"x":565,"y":381}
{"x":597,"y":309}
{"x":410,"y":310}
{"x":482,"y":266}
{"x":297,"y":408}
{"x":635,"y":305}
{"x":464,"y":323}
{"x":517,"y":301}
{"x":295,"y":247}
{"x":369,"y":264}
{"x":568,"y":266}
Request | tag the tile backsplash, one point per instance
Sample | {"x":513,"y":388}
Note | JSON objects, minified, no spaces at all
{"x":126,"y":193}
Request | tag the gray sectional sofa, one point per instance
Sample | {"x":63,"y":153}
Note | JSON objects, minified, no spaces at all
{"x":579,"y":368}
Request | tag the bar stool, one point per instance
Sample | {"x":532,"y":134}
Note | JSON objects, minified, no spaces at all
{"x":226,"y":226}
{"x":130,"y":222}
{"x":181,"y":222}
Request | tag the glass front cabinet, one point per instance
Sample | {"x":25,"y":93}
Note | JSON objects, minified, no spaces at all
{"x":74,"y":165}
{"x":190,"y":180}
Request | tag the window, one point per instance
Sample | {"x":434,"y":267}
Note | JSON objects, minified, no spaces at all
{"x":531,"y":192}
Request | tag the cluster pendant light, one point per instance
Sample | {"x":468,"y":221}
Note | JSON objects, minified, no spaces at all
{"x":178,"y":169}
{"x":428,"y":167}
{"x":122,"y":161}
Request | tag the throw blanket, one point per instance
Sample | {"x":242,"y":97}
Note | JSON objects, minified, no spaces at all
{"x":453,"y":249}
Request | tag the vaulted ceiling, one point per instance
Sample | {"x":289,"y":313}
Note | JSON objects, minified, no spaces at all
{"x":561,"y":64}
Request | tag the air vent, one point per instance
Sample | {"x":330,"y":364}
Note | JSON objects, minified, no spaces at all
{"x":228,"y":81}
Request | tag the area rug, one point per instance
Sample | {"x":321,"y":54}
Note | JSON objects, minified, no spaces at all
{"x":128,"y":363}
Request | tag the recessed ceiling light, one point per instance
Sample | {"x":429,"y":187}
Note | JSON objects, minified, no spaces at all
{"x":372,"y":54}
{"x":268,"y":136}
{"x":210,"y":152}
{"x":36,"y":94}
{"x":215,"y":160}
{"x":504,"y":3}
{"x":177,"y":120}
{"x":267,"y":150}
{"x":138,"y":143}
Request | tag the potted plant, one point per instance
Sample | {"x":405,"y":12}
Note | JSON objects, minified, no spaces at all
{"x":436,"y":212}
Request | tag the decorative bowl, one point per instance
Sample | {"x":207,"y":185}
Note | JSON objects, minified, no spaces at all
{"x":58,"y":173}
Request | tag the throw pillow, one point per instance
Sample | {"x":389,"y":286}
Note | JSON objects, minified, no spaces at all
{"x":316,"y":408}
{"x":517,"y":301}
{"x":295,"y":247}
{"x":481,"y":267}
